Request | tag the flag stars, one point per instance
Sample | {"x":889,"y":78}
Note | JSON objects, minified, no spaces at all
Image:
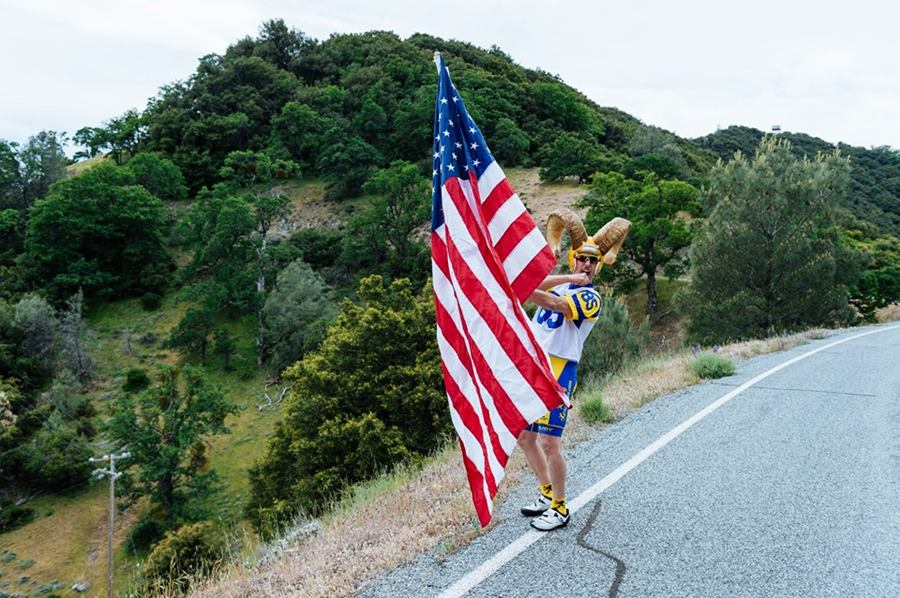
{"x":472,"y":130}
{"x":446,"y":133}
{"x":443,"y":100}
{"x":459,"y":145}
{"x":474,"y":145}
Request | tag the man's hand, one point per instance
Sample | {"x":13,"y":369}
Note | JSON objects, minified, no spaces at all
{"x":580,"y":279}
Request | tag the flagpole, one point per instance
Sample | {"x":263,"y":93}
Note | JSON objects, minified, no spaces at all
{"x":437,"y":61}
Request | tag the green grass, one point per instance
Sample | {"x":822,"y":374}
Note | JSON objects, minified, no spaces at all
{"x":665,"y":297}
{"x":712,"y":366}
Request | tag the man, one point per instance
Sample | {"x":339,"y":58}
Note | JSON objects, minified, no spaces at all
{"x":568,"y":307}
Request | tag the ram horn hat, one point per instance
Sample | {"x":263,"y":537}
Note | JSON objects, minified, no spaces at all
{"x":608,"y":239}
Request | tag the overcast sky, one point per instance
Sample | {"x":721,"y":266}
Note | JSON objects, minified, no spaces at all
{"x":827,"y":68}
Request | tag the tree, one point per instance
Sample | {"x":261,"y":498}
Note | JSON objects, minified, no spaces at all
{"x":400,"y":205}
{"x":299,"y":299}
{"x":74,"y":336}
{"x":99,"y":232}
{"x":297,"y":134}
{"x":159,"y":176}
{"x":770,"y":259}
{"x":659,"y":230}
{"x":43,"y":162}
{"x":225,"y":347}
{"x":192,"y":333}
{"x":509,"y":143}
{"x":165,"y":428}
{"x":345,"y":162}
{"x":120,"y":135}
{"x":370,"y":397}
{"x":232,"y":236}
{"x":875,"y":289}
{"x":571,"y":155}
{"x":36,"y":321}
{"x":11,"y":192}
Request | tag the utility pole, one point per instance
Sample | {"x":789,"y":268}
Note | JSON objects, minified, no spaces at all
{"x":111,"y":472}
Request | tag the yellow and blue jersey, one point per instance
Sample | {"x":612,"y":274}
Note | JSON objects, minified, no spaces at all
{"x":562,"y":336}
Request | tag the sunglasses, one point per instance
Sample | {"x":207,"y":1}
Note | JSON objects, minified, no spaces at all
{"x":591,"y":259}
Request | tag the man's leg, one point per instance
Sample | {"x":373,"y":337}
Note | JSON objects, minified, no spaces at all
{"x":556,"y":464}
{"x":558,"y":513}
{"x":534,"y":456}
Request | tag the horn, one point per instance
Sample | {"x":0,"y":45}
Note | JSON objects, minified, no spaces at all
{"x":609,"y":239}
{"x":568,"y":220}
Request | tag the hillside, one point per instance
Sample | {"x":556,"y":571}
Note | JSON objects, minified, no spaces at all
{"x":874,"y":191}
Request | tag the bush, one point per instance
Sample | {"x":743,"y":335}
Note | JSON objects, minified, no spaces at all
{"x":712,"y":366}
{"x":371,"y":397}
{"x":594,"y":409}
{"x":136,"y":380}
{"x":151,"y":301}
{"x":145,"y":534}
{"x":13,"y":516}
{"x":185,"y":555}
{"x":613,"y":341}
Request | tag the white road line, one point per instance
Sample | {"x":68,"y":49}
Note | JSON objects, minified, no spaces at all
{"x":519,"y":545}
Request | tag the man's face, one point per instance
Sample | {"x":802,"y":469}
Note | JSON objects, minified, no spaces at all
{"x":586,"y":264}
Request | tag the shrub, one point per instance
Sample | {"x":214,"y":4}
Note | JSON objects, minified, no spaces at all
{"x":136,"y":380}
{"x":13,"y":516}
{"x":594,"y":409}
{"x":151,"y":301}
{"x":184,"y":555}
{"x":712,"y":366}
{"x":613,"y":341}
{"x":371,"y":397}
{"x":145,"y":534}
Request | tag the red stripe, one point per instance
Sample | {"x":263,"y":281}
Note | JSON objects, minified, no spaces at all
{"x":456,"y":339}
{"x":499,"y":195}
{"x":517,"y":230}
{"x":475,"y":230}
{"x":471,"y":356}
{"x":531,"y":276}
{"x":482,"y":504}
{"x":470,"y":421}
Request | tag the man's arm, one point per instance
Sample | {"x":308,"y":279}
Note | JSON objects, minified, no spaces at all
{"x":551,"y":302}
{"x":555,"y":279}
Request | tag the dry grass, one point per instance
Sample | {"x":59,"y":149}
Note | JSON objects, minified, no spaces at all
{"x":890,"y":313}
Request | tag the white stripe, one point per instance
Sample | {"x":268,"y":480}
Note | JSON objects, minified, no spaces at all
{"x":470,"y":389}
{"x":520,"y":257}
{"x":472,"y":450}
{"x":508,"y":376}
{"x":507,"y":213}
{"x":519,"y":545}
{"x":490,"y":178}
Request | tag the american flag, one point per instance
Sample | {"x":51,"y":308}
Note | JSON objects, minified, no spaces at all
{"x":487,"y":257}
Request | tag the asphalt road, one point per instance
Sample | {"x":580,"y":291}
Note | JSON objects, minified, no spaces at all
{"x":780,"y":481}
